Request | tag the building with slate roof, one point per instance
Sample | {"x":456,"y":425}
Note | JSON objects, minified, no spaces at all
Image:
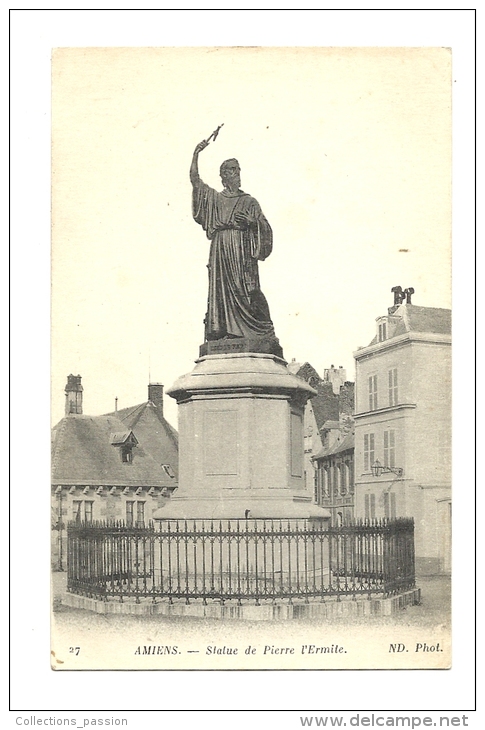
{"x":158,"y":437}
{"x":403,"y":426}
{"x":120,"y":466}
{"x":335,"y":477}
{"x":328,"y":415}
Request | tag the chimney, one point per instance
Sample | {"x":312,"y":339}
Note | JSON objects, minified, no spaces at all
{"x":155,"y":395}
{"x":335,"y":376}
{"x":74,"y":395}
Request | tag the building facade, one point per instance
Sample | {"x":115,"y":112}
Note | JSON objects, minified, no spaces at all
{"x":328,"y":414}
{"x":335,"y":476}
{"x":403,"y":427}
{"x":120,"y":466}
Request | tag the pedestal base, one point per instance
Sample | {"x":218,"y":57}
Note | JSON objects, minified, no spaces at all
{"x":231,"y":345}
{"x":241,"y":441}
{"x":265,"y":506}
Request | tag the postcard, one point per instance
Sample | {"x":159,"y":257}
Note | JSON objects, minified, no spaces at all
{"x":251,"y":358}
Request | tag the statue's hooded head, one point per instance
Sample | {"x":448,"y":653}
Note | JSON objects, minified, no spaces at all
{"x":231,"y":174}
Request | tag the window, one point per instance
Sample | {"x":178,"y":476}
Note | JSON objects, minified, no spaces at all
{"x":351,"y":477}
{"x":370,"y":506}
{"x":140,"y":514}
{"x":372,"y":392}
{"x":326,"y":481}
{"x":82,"y":510}
{"x":346,"y":486}
{"x":382,"y":331}
{"x":389,"y":448}
{"x":88,"y":511}
{"x":129,"y":513}
{"x":126,"y":441}
{"x":77,"y":510}
{"x":336,"y":473}
{"x":393,"y":387}
{"x":369,"y":451}
{"x":168,"y":470}
{"x":343,"y":479}
{"x":133,"y":520}
{"x":390,"y":505}
{"x":320,"y":483}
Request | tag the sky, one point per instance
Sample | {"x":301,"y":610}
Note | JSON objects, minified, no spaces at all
{"x":347,"y":150}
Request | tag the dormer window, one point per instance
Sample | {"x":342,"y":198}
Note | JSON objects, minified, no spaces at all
{"x":126,"y":442}
{"x":386,"y":326}
{"x":168,"y":470}
{"x":382,"y":331}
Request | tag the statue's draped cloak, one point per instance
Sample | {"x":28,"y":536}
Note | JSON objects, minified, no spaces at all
{"x":236,"y":306}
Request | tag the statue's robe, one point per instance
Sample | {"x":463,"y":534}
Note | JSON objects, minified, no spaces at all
{"x":236,"y":306}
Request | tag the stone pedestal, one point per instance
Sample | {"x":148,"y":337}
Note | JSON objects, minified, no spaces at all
{"x":241,"y":441}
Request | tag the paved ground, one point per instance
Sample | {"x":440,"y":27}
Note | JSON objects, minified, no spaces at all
{"x":110,"y":641}
{"x":434,"y":610}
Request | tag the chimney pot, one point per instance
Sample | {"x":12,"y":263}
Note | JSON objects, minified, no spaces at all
{"x":74,"y":395}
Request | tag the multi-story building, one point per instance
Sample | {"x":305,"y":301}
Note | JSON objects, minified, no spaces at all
{"x":334,"y":476}
{"x":328,"y":414}
{"x":403,"y":426}
{"x":121,"y":466}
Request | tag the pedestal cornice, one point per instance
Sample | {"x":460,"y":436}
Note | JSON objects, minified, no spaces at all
{"x":245,"y":373}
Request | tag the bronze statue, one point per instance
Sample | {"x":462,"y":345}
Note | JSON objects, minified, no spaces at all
{"x":240,"y":236}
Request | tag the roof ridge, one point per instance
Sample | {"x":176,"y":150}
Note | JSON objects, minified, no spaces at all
{"x":421,"y":306}
{"x":141,"y":408}
{"x":129,"y":411}
{"x":169,"y":429}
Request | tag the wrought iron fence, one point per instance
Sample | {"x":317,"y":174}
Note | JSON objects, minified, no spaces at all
{"x":240,"y":560}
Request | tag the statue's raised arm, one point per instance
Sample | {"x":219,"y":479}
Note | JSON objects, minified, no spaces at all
{"x":194,"y":167}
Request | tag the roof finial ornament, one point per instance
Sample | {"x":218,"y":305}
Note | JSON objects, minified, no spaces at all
{"x":398,"y":295}
{"x":409,"y":292}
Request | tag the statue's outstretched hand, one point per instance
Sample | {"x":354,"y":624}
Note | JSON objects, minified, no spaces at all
{"x":201,"y":146}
